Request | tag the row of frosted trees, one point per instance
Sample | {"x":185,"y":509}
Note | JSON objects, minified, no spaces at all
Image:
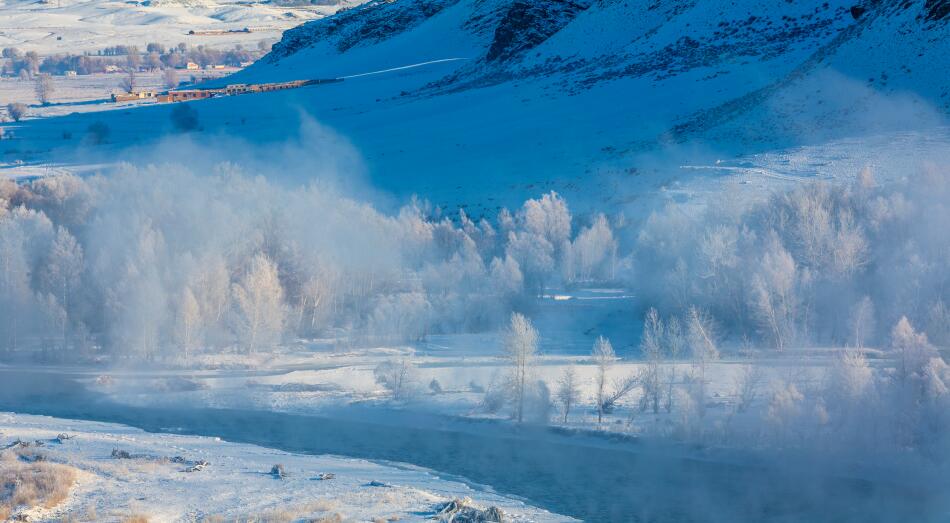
{"x":158,"y":261}
{"x":819,"y":264}
{"x":890,"y":410}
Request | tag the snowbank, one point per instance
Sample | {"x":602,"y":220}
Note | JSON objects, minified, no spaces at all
{"x":124,"y":472}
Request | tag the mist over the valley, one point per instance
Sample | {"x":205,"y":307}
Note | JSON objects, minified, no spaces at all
{"x":480,"y":260}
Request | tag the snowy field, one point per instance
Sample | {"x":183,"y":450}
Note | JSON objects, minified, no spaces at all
{"x":90,"y":25}
{"x":153,"y":480}
{"x":89,"y":93}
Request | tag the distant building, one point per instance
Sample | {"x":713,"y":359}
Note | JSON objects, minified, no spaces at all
{"x":237,"y":89}
{"x":135,"y":95}
{"x":191,"y":66}
{"x":186,"y":95}
{"x":247,"y":64}
{"x":70,"y":73}
{"x":112,"y":68}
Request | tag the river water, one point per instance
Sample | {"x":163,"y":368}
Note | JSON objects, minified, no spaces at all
{"x":590,"y":478}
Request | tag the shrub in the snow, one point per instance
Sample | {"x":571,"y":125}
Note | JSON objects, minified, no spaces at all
{"x":184,"y":117}
{"x":435,"y":386}
{"x":32,"y":483}
{"x":747,"y":383}
{"x":568,"y":392}
{"x":398,"y":376}
{"x":496,"y":396}
{"x":785,"y":407}
{"x":16,"y":111}
{"x":538,"y":405}
{"x":278,"y":471}
{"x":97,"y":133}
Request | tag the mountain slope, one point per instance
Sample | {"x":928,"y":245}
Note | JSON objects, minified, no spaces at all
{"x":583,"y":96}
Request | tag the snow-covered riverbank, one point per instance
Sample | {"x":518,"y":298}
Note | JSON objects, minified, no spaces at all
{"x":153,"y":479}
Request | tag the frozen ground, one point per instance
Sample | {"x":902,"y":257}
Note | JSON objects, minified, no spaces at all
{"x":89,"y":93}
{"x":607,"y":109}
{"x":585,"y":475}
{"x":90,"y":25}
{"x":236,"y":483}
{"x":317,"y":379}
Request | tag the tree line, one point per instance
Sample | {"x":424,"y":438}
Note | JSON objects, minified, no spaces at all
{"x":138,"y":265}
{"x":153,"y":57}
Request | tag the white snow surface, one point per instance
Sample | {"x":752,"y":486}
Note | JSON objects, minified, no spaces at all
{"x":605,"y":102}
{"x":237,"y":483}
{"x":61,"y":26}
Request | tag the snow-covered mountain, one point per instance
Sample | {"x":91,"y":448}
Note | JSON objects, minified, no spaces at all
{"x":691,"y":67}
{"x":478,"y":101}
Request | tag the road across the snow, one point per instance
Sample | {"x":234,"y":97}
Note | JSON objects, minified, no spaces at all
{"x":582,"y":476}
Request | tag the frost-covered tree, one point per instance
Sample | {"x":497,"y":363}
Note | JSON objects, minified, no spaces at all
{"x":397,"y":375}
{"x":604,"y":357}
{"x":61,"y":274}
{"x":133,"y":57}
{"x":137,"y":310}
{"x":849,"y":249}
{"x":568,"y":391}
{"x":593,"y":253}
{"x":534,"y":255}
{"x":170,"y":77}
{"x":52,"y":315}
{"x":506,"y":276}
{"x":784,"y":410}
{"x":911,"y":349}
{"x":19,"y":229}
{"x":258,"y":299}
{"x":719,"y":255}
{"x":43,"y":87}
{"x":862,"y":322}
{"x":774,"y":300}
{"x":16,"y":111}
{"x":651,"y":347}
{"x":746,"y":386}
{"x":188,"y":321}
{"x":212,"y":289}
{"x":401,"y":317}
{"x":849,"y":378}
{"x":675,"y":343}
{"x":701,"y":333}
{"x":66,"y":199}
{"x":549,"y":218}
{"x":317,"y":294}
{"x":521,"y":347}
{"x":130,"y":82}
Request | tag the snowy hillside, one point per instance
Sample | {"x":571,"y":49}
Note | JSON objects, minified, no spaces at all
{"x":585,"y":97}
{"x":705,"y":65}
